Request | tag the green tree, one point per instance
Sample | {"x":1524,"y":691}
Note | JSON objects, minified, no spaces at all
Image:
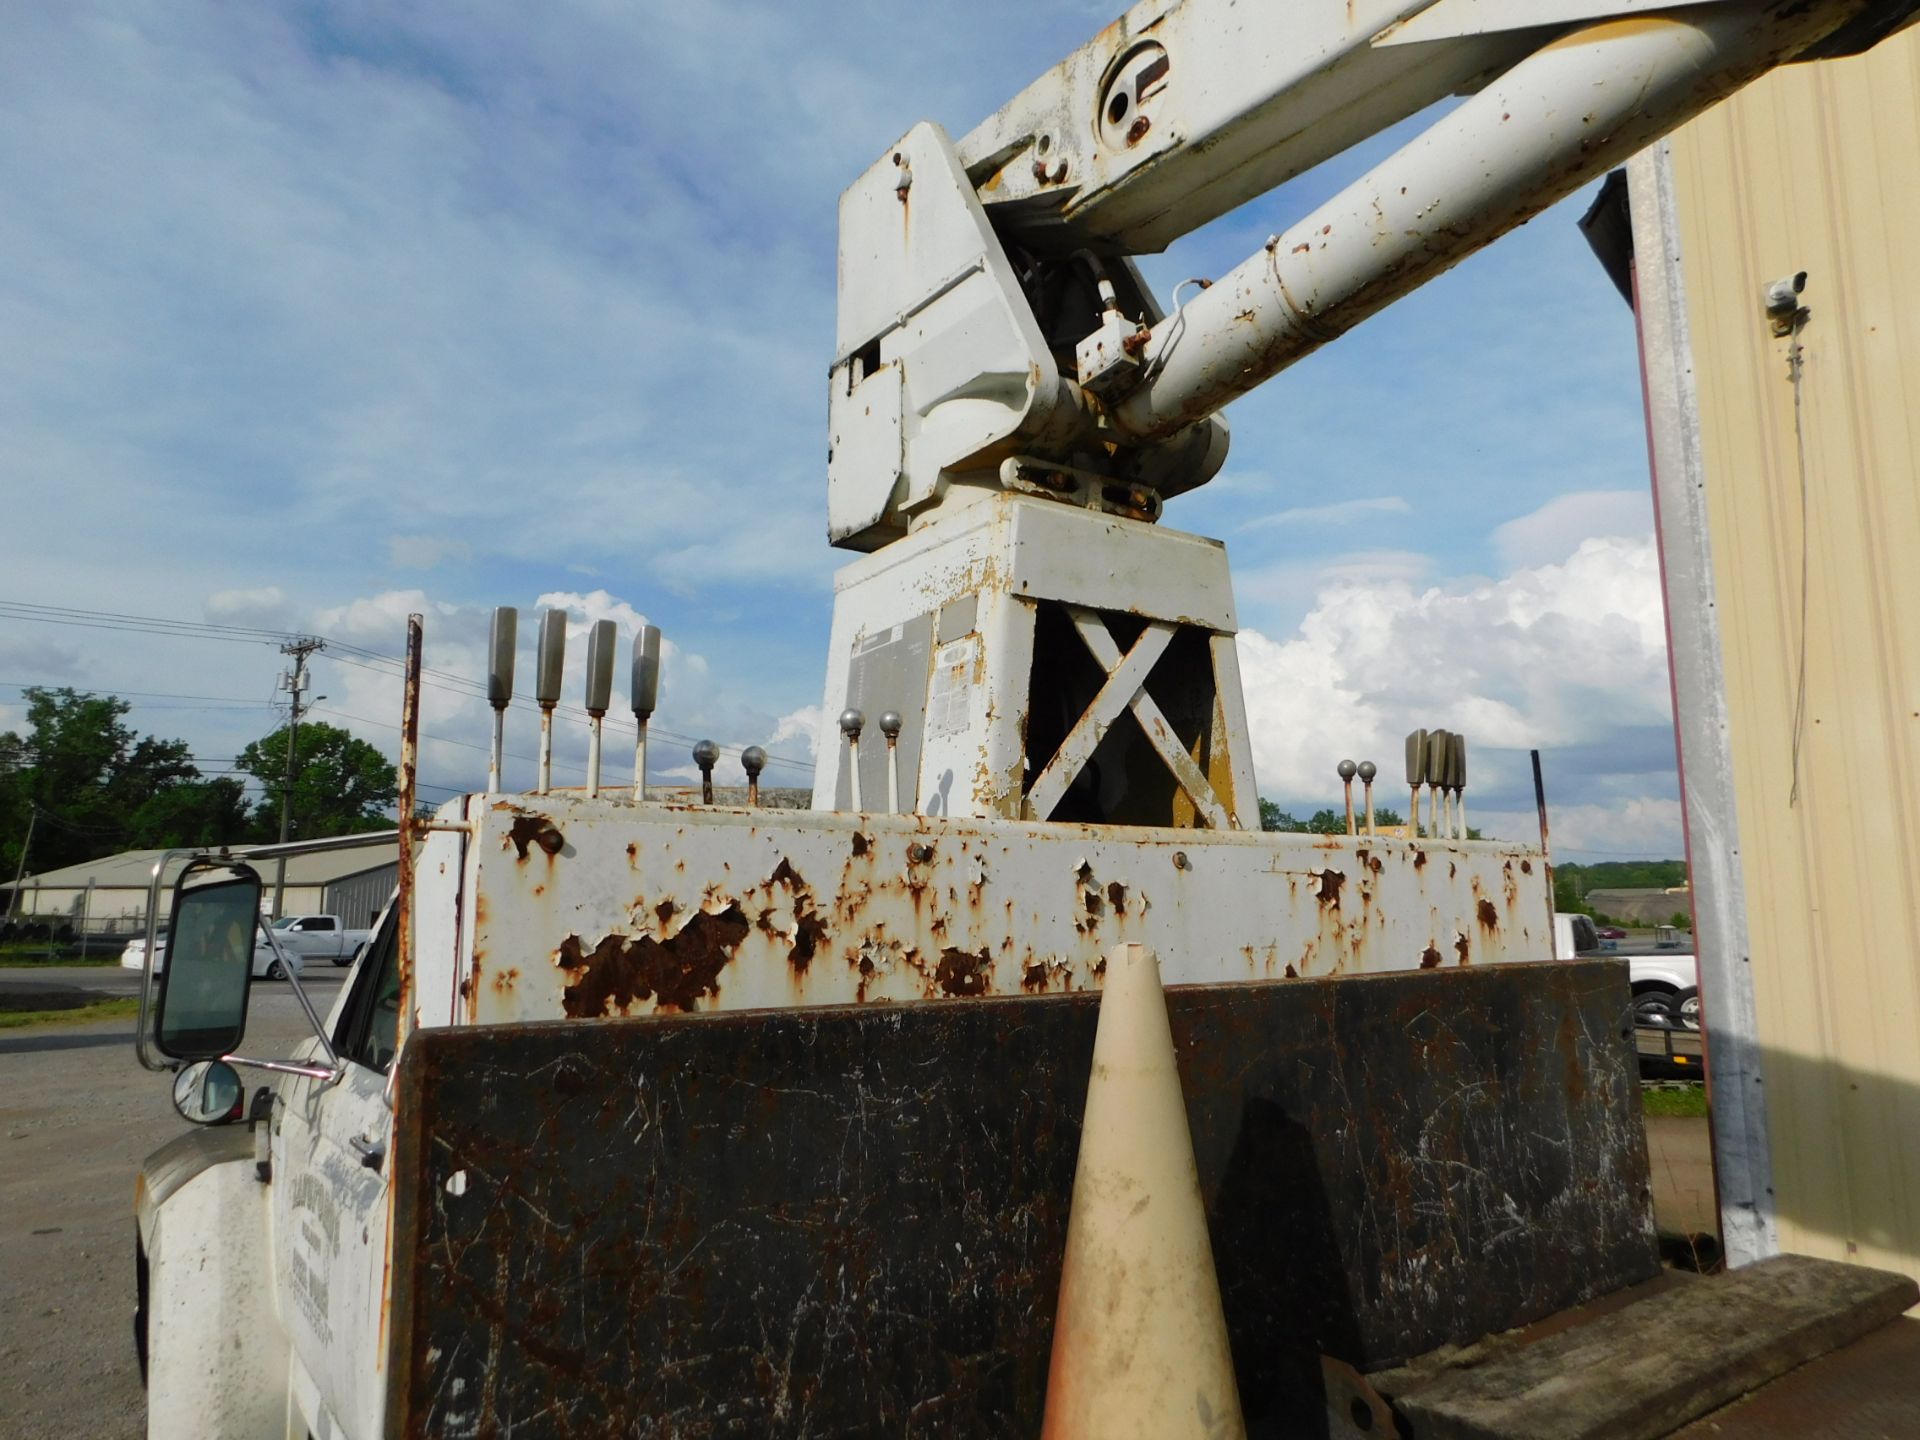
{"x":1334,"y":822}
{"x":341,"y":784}
{"x":1272,"y":817}
{"x":85,"y":772}
{"x":207,"y":812}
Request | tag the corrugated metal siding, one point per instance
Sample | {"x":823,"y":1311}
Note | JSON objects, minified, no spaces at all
{"x":359,"y":899}
{"x":1817,"y":168}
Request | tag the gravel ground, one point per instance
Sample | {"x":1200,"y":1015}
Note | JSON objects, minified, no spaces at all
{"x":77,"y":1116}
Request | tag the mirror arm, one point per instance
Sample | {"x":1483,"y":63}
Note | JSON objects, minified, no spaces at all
{"x":290,"y":1067}
{"x":288,"y":969}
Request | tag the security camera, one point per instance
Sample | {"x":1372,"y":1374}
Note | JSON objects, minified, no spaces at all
{"x":1782,"y":301}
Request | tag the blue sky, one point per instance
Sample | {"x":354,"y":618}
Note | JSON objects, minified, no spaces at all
{"x":315,"y":314}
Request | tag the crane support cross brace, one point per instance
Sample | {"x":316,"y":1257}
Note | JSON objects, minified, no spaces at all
{"x":1125,"y":689}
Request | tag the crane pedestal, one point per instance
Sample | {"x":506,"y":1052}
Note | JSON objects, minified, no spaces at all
{"x":1049,"y":662}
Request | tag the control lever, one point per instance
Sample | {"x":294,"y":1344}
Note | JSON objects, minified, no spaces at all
{"x":548,"y":665}
{"x":506,"y":627}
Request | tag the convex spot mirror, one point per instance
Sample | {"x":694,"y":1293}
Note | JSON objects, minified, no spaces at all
{"x":203,"y":990}
{"x":207,"y":1092}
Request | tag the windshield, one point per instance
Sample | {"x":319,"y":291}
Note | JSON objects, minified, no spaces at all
{"x":285,"y":922}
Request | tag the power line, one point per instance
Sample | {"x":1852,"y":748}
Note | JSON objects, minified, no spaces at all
{"x":137,"y":694}
{"x":143,"y":624}
{"x":375,"y":661}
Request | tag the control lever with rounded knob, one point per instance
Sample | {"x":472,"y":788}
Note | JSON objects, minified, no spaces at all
{"x":852,"y":722}
{"x":705,"y":755}
{"x":890,"y":726}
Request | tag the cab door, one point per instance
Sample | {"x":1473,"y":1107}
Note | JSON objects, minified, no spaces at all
{"x":331,"y":1212}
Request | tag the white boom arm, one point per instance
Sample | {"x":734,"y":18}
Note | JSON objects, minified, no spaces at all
{"x":1019,"y":346}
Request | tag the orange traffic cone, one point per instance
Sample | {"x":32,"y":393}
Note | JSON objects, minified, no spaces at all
{"x":1139,"y":1338}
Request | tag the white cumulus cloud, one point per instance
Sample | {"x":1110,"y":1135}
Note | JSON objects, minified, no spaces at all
{"x":798,"y":729}
{"x":1567,"y":657}
{"x":1557,"y":528}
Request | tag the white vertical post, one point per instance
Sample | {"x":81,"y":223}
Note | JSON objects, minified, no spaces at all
{"x":1742,"y":1147}
{"x":851,"y":723}
{"x":890,"y":725}
{"x":549,"y":664}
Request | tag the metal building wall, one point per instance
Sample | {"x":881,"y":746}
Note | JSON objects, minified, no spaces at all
{"x":1817,"y":168}
{"x":359,"y":899}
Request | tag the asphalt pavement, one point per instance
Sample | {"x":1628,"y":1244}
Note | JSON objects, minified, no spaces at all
{"x":77,"y":1116}
{"x":57,"y":987}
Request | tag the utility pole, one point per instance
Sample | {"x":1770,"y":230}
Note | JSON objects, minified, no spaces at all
{"x":13,"y":896}
{"x":296,"y":683}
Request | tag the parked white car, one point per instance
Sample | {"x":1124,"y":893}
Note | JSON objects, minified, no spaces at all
{"x":266,"y":965}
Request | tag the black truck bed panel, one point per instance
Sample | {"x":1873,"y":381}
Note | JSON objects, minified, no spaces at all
{"x":850,"y":1221}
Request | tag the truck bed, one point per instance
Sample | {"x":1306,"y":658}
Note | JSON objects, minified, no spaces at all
{"x":850,"y":1220}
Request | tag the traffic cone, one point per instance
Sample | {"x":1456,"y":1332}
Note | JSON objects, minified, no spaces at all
{"x":1139,"y":1338}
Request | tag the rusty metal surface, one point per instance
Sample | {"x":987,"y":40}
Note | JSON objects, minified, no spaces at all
{"x":1870,"y":1390}
{"x":571,"y":908}
{"x":409,"y":777}
{"x":849,"y":1220}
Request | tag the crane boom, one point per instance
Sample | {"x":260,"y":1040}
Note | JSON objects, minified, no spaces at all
{"x":1554,"y":121}
{"x":1012,"y":322}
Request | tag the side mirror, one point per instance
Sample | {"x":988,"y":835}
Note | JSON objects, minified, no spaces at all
{"x":208,"y":1092}
{"x":209,"y":963}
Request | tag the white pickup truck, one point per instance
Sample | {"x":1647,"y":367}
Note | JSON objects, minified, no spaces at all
{"x":1666,"y":986}
{"x":319,"y":937}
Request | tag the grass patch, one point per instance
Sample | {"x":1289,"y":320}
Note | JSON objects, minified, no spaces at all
{"x":1684,"y":1100}
{"x":38,"y":959}
{"x":120,"y":1007}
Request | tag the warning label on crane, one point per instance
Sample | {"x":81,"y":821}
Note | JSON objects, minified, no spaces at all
{"x":950,"y":696}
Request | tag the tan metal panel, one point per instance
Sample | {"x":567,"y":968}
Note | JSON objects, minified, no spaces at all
{"x":1817,"y":168}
